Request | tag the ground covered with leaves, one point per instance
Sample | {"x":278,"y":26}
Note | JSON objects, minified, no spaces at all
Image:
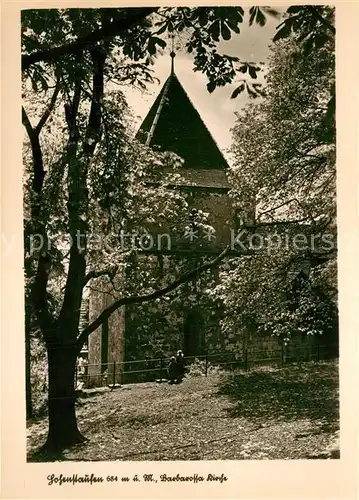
{"x":266,"y":413}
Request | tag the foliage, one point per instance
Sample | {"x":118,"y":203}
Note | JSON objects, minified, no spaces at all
{"x":284,"y":165}
{"x":78,"y":30}
{"x":198,"y":369}
{"x":120,"y":192}
{"x":287,"y":142}
{"x":312,"y":26}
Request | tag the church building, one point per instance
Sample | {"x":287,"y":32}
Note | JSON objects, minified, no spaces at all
{"x":173,"y":124}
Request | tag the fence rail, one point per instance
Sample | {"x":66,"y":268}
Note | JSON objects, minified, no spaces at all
{"x":149,"y":370}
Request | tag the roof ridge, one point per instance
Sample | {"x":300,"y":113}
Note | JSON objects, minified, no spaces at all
{"x":159,"y":109}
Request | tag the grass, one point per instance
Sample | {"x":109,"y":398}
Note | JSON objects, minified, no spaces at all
{"x":266,"y":413}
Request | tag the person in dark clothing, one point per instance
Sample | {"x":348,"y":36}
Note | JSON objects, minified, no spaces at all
{"x":172,"y":370}
{"x":180,"y":367}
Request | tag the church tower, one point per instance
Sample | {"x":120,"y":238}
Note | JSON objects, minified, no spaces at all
{"x":174,"y":124}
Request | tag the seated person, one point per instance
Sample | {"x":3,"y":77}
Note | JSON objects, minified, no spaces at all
{"x":180,"y":368}
{"x":172,"y":370}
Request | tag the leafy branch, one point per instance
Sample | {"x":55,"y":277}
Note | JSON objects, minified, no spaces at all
{"x":138,"y":299}
{"x":87,"y":42}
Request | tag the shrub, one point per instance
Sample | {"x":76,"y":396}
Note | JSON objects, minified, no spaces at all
{"x":198,"y":369}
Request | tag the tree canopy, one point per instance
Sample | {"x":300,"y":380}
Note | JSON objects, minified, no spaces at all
{"x":284,"y":164}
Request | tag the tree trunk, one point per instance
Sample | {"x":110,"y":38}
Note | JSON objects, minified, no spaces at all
{"x":63,"y":431}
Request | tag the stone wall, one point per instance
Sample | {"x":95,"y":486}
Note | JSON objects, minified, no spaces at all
{"x":219,"y":207}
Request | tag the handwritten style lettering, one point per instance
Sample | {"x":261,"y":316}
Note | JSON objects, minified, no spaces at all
{"x":74,"y":479}
{"x":195,"y":478}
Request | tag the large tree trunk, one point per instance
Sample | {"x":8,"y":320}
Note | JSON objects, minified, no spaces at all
{"x":63,"y":430}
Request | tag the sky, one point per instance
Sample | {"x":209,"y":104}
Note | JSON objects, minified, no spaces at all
{"x":216,"y":109}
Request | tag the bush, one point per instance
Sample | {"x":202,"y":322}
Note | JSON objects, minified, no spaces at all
{"x":198,"y":369}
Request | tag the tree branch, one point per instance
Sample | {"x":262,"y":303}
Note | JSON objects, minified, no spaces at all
{"x":27,"y":124}
{"x":33,"y":134}
{"x":276,"y":208}
{"x":86,"y":42}
{"x":138,"y":299}
{"x":279,"y":222}
{"x":101,"y":291}
{"x":93,"y":130}
{"x":109,"y":271}
{"x":77,"y":202}
{"x":49,"y":109}
{"x":38,"y":289}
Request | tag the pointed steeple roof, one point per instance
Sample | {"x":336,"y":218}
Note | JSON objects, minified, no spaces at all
{"x":174,"y":124}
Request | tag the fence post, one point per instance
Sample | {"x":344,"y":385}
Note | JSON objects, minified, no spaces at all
{"x":114,"y":373}
{"x":76,"y":368}
{"x":206,"y":365}
{"x":246,"y":360}
{"x":161,"y":369}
